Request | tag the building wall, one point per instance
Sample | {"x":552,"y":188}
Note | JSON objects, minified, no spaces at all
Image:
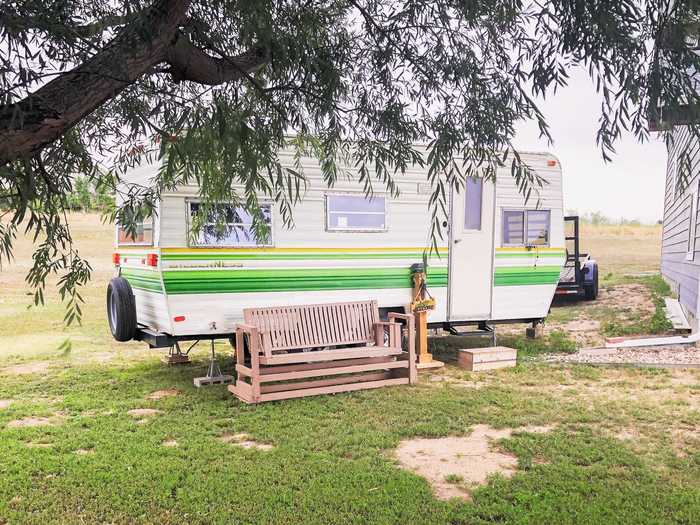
{"x":680,"y":250}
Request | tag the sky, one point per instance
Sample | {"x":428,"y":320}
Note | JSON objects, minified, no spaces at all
{"x":630,"y":187}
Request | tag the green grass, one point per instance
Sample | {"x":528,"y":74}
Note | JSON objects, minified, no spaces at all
{"x":331,"y":461}
{"x":332,"y":457}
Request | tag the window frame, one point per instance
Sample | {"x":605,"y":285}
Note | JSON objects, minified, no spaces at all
{"x":151,"y":243}
{"x":481,"y":206}
{"x":692,"y":225}
{"x":524,"y":212}
{"x":327,"y":213}
{"x":194,"y":244}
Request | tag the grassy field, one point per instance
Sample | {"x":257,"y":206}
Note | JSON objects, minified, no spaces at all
{"x":623,"y":447}
{"x":623,"y":249}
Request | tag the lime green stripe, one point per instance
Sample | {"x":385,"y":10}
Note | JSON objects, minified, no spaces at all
{"x":510,"y":255}
{"x":293,"y":279}
{"x":291,"y":256}
{"x":143,"y":279}
{"x":526,"y":275}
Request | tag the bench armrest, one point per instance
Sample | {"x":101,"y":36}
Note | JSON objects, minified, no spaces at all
{"x":255,"y":338}
{"x":248,"y":328}
{"x":406,"y":317}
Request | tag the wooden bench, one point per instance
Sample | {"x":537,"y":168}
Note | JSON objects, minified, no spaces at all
{"x":295,"y":351}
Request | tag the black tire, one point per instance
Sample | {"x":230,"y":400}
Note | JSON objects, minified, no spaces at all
{"x":591,"y":289}
{"x":121,"y":309}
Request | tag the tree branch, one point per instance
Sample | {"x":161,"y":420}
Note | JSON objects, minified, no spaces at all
{"x":188,"y":62}
{"x":153,"y":38}
{"x":45,"y":115}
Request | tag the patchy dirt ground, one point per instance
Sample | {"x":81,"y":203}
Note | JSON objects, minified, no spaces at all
{"x":36,"y":421}
{"x":35,"y":367}
{"x":160,"y":394}
{"x":453,"y":465}
{"x":243,"y":440}
{"x":626,"y":300}
{"x":144,"y":413}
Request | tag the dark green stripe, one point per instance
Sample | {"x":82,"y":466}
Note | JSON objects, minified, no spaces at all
{"x":526,"y":275}
{"x":294,"y":279}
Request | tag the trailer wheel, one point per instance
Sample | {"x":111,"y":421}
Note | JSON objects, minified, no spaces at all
{"x":590,"y":286}
{"x":121,"y":309}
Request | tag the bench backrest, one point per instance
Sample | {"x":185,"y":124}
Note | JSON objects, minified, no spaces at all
{"x":315,"y":325}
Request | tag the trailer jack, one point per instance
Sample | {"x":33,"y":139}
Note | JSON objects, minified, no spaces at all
{"x":214,"y":375}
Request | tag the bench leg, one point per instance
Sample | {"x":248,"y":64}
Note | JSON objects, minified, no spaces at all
{"x":412,"y":365}
{"x":254,"y":346}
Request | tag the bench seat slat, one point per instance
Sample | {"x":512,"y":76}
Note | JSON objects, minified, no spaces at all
{"x":324,"y":371}
{"x":329,"y":355}
{"x":351,"y":387}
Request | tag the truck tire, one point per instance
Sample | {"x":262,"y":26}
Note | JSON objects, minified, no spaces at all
{"x":590,"y":286}
{"x":121,"y":309}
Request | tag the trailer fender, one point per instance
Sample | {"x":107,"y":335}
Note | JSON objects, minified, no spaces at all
{"x":590,"y":279}
{"x":121,"y":309}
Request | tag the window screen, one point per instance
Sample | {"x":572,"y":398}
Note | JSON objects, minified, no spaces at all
{"x":538,"y":227}
{"x":355,"y":212}
{"x":513,"y":227}
{"x":529,"y":227}
{"x":142,"y":236}
{"x":235,"y":228}
{"x":472,"y":203}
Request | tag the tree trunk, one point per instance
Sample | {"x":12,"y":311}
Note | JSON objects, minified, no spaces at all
{"x":45,"y":115}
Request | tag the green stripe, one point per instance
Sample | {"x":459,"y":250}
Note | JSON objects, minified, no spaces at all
{"x":292,"y":256}
{"x":143,"y":279}
{"x":510,"y":255}
{"x":526,"y":275}
{"x":293,"y":279}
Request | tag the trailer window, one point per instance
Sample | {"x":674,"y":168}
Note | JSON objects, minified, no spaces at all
{"x":526,"y":227}
{"x":142,"y":237}
{"x":513,"y":228}
{"x":538,"y":227}
{"x":472,"y":203}
{"x":355,"y":213}
{"x":231,"y":226}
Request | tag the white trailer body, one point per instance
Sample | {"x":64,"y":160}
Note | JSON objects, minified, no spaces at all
{"x":500,"y":261}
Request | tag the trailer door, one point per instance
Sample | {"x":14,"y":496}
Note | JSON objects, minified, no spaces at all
{"x":470,"y":278}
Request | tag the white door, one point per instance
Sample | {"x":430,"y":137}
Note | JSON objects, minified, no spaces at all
{"x":470,"y":278}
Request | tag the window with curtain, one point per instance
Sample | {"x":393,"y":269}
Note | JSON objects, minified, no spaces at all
{"x":355,"y":213}
{"x":142,"y":237}
{"x":232,"y":226}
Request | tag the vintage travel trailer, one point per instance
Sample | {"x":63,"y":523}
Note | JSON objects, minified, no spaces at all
{"x":500,"y":262}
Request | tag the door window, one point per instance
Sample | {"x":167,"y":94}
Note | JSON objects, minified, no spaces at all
{"x":472,"y":203}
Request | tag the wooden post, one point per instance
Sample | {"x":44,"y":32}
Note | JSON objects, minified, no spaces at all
{"x":425,"y":358}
